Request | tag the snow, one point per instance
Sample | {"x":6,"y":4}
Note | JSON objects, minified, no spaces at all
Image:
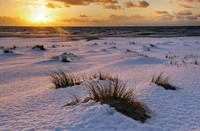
{"x":28,"y":101}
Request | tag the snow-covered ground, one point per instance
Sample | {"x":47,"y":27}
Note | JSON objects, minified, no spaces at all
{"x":28,"y":102}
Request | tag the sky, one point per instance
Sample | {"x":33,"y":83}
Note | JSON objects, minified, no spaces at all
{"x":99,"y":12}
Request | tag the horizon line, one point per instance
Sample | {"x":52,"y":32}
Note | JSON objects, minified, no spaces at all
{"x":106,"y":26}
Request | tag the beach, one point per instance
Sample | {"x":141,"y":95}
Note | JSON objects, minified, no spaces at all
{"x":28,"y":100}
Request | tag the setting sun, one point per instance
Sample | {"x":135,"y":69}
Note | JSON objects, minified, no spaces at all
{"x":40,"y":15}
{"x":40,"y":18}
{"x":99,"y":12}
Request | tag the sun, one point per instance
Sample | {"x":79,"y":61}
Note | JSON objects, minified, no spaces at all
{"x":41,"y":17}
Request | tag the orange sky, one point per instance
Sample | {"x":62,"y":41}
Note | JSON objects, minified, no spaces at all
{"x":99,"y":12}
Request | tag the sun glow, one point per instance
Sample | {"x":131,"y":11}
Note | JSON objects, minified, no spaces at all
{"x":41,"y":16}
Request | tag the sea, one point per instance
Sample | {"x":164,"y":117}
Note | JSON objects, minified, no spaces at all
{"x":96,"y":32}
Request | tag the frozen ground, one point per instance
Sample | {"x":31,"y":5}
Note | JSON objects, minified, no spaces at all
{"x":27,"y":101}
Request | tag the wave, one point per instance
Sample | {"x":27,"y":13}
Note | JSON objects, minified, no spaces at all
{"x":42,"y":32}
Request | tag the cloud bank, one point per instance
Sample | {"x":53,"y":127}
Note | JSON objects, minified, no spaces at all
{"x":140,"y":4}
{"x":52,"y":5}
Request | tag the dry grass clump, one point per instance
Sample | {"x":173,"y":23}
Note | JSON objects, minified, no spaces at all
{"x":63,"y":80}
{"x":128,"y":50}
{"x":69,"y":53}
{"x":90,"y":38}
{"x":115,"y":94}
{"x":152,"y":45}
{"x":39,"y":47}
{"x":61,"y":58}
{"x":65,"y":57}
{"x":133,"y":43}
{"x":65,"y":60}
{"x":7,"y":51}
{"x":163,"y":81}
{"x":54,"y":58}
{"x":13,"y":48}
{"x":196,"y":62}
{"x":102,"y":76}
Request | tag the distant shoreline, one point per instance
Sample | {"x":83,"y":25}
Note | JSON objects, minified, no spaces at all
{"x":99,"y":32}
{"x":74,"y":38}
{"x":101,"y":26}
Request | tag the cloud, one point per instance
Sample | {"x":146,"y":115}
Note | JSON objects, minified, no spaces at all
{"x":126,"y":18}
{"x":107,"y":4}
{"x":141,"y":4}
{"x":112,"y":20}
{"x":187,"y":18}
{"x":86,"y":2}
{"x":192,"y":17}
{"x":164,"y":16}
{"x":52,"y":5}
{"x":129,"y":4}
{"x":9,"y":21}
{"x":162,"y":12}
{"x":184,"y":12}
{"x":80,"y":21}
{"x":35,"y":2}
{"x":113,"y":7}
{"x":134,"y":20}
{"x":186,"y":15}
{"x":185,"y":6}
{"x":83,"y":16}
{"x":190,"y":1}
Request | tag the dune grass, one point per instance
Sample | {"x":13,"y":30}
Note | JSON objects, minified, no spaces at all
{"x":63,"y":80}
{"x":90,"y":38}
{"x":196,"y":62}
{"x":7,"y":51}
{"x":114,"y":93}
{"x":102,"y":76}
{"x":65,"y":60}
{"x":54,"y":58}
{"x":163,"y":82}
{"x":40,"y":47}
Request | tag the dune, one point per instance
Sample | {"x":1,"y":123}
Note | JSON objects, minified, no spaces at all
{"x":28,"y":101}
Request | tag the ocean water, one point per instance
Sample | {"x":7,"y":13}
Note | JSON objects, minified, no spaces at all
{"x":75,"y":32}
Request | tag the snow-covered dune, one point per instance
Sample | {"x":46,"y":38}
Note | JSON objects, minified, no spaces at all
{"x":28,"y":101}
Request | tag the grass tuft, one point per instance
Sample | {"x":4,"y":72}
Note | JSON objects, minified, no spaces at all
{"x":39,"y":47}
{"x":163,"y":81}
{"x":90,"y":38}
{"x":63,"y":80}
{"x":196,"y":62}
{"x":65,"y":60}
{"x":115,"y":94}
{"x":102,"y":76}
{"x":7,"y":51}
